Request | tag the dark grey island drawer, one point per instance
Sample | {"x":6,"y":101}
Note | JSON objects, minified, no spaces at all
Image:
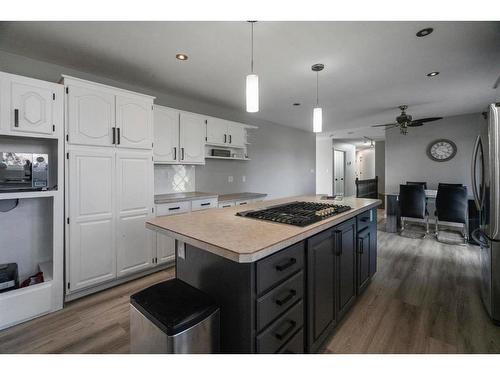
{"x":281,"y":331}
{"x":279,"y":266}
{"x":364,"y":219}
{"x":279,"y":299}
{"x":295,"y":345}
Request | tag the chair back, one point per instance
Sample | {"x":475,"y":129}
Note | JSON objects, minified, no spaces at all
{"x":424,"y":184}
{"x":452,"y":203}
{"x":446,"y":184}
{"x":412,"y":201}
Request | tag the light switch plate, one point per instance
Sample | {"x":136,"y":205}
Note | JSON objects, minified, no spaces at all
{"x":230,"y":179}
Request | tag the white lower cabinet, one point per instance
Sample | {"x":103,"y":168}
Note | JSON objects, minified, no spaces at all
{"x":110,"y":197}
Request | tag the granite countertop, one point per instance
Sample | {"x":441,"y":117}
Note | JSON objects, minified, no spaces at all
{"x":240,"y":196}
{"x":243,"y":239}
{"x":178,"y":197}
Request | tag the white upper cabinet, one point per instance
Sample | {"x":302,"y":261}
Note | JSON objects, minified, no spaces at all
{"x":236,"y":135}
{"x":192,"y":138}
{"x":217,"y":131}
{"x":166,"y":135}
{"x":91,"y":116}
{"x":134,"y":122}
{"x":99,"y":115}
{"x":30,"y":107}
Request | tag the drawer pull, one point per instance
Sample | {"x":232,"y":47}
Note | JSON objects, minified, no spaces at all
{"x":360,"y":245}
{"x":282,"y":267}
{"x":291,"y":325}
{"x":228,"y":205}
{"x":205,"y":204}
{"x":174,"y":208}
{"x":289,"y":296}
{"x":365,"y":219}
{"x":242,"y":203}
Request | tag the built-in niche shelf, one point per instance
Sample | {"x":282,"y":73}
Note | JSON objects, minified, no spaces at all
{"x":226,"y":146}
{"x":29,"y":194}
{"x":226,"y":158}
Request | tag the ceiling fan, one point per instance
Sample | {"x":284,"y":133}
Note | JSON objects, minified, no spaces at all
{"x":404,"y":121}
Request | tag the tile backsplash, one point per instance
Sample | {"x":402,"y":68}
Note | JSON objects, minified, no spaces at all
{"x":174,"y":178}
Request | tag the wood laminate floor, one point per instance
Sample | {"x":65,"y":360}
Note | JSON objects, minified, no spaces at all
{"x":423,"y":299}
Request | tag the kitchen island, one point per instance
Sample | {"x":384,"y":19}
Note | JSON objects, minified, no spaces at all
{"x":281,"y":288}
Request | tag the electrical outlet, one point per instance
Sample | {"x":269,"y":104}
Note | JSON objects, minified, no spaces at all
{"x":244,"y":178}
{"x":230,"y":179}
{"x":181,"y":250}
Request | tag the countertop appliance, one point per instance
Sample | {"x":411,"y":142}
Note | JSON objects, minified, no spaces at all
{"x":296,"y":213}
{"x":9,"y":278}
{"x":486,"y":190}
{"x":20,"y":171}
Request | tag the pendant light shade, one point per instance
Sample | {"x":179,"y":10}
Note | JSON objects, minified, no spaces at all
{"x":252,"y":93}
{"x":317,"y":120}
{"x":252,"y":85}
{"x":317,"y":111}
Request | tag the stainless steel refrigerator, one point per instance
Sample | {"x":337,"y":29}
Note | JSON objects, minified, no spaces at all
{"x":486,"y":190}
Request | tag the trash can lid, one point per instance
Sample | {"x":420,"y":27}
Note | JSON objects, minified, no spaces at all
{"x":173,"y":305}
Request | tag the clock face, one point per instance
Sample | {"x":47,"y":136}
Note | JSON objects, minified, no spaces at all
{"x":442,"y":150}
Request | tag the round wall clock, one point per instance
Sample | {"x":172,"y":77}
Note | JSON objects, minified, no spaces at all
{"x":441,"y":150}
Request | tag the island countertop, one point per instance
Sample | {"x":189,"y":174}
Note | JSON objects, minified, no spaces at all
{"x":246,"y":240}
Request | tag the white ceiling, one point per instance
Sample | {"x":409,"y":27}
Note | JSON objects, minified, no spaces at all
{"x":371,"y":67}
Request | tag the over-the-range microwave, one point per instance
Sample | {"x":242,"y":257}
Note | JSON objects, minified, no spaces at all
{"x":20,"y":171}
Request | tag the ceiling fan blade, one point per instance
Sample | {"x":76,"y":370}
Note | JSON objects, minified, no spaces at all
{"x":376,"y":126}
{"x":427,"y":119}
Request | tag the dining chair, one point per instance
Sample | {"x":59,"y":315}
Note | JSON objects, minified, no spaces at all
{"x":412,"y":205}
{"x":452,"y":208}
{"x":447,"y":184}
{"x":424,"y":184}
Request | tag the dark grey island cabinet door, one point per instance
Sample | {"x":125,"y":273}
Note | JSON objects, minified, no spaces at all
{"x":363,"y":258}
{"x":321,"y":277}
{"x":345,"y":246}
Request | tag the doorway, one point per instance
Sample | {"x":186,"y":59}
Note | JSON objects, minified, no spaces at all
{"x":338,"y":172}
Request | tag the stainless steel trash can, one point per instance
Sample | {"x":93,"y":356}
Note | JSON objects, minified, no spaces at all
{"x":173,"y":317}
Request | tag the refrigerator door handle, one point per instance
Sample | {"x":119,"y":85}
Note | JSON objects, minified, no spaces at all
{"x":477,"y":198}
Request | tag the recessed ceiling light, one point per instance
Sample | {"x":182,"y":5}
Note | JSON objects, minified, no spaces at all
{"x":296,"y":104}
{"x":425,"y":32}
{"x":181,"y":56}
{"x":432,"y":74}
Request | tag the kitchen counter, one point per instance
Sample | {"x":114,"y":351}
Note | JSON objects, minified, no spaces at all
{"x":246,"y":240}
{"x":179,"y":197}
{"x":240,"y":196}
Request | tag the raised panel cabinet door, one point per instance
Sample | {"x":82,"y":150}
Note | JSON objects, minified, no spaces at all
{"x":134,"y":122}
{"x":91,"y":184}
{"x":345,"y":234}
{"x":373,"y":244}
{"x":321,"y":288}
{"x":166,"y":135}
{"x":217,"y":131}
{"x":192,"y":139}
{"x":134,"y":202}
{"x":31,"y":108}
{"x":236,"y":135}
{"x":90,"y":116}
{"x":165,"y":248}
{"x":363,"y":259}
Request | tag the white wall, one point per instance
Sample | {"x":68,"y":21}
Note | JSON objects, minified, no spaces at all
{"x":406,"y":155}
{"x":380,"y":165}
{"x":324,"y":166}
{"x":350,"y":165}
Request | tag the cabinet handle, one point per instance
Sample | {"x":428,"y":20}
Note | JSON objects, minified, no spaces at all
{"x":205,"y":204}
{"x":119,"y":140}
{"x":225,"y":138}
{"x":338,"y":235}
{"x":242,"y":203}
{"x":182,"y":153}
{"x":114,"y":135}
{"x":289,"y":296}
{"x":175,"y":153}
{"x":174,"y":208}
{"x":282,"y":267}
{"x":230,"y":138}
{"x":291,"y":325}
{"x":16,"y":118}
{"x":360,"y":246}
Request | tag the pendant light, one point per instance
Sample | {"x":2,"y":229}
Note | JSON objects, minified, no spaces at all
{"x":252,"y":87}
{"x":317,"y":111}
